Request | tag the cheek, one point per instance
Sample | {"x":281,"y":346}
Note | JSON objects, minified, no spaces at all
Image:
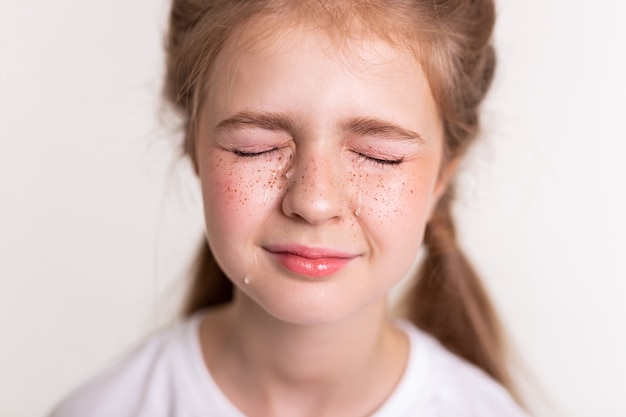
{"x":237,"y":194}
{"x":397,"y":198}
{"x":393,"y":215}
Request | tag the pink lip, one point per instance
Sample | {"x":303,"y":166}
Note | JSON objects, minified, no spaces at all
{"x":310,"y":262}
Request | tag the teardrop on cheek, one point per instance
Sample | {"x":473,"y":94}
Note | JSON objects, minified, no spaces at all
{"x":253,"y":269}
{"x":357,"y":212}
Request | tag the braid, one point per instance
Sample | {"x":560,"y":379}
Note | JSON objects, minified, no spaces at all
{"x":450,"y":302}
{"x":212,"y":289}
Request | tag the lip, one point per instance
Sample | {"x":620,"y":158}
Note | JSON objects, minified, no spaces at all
{"x":310,"y":262}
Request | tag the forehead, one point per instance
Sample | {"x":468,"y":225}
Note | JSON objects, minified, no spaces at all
{"x":306,"y":70}
{"x":266,"y":41}
{"x":352,"y":42}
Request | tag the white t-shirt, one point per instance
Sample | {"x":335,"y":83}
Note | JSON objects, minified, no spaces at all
{"x":167,"y":377}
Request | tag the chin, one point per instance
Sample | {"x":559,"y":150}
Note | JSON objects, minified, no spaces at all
{"x":312,"y":307}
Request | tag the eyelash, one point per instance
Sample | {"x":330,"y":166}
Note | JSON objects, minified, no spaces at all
{"x":380,"y":161}
{"x":244,"y":154}
{"x":377,"y":161}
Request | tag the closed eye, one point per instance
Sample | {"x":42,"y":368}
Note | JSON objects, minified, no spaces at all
{"x":380,"y":161}
{"x":245,"y":154}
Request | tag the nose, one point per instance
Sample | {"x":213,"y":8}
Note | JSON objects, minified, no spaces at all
{"x":315,"y":190}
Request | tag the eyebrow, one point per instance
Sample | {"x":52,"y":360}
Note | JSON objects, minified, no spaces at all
{"x":267,"y":121}
{"x":362,"y":126}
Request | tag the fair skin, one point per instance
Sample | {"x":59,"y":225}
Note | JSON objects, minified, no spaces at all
{"x":319,"y":167}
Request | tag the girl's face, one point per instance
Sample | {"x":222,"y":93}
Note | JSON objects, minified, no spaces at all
{"x":319,"y":168}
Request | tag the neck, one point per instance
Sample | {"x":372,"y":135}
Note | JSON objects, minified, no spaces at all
{"x":318,"y":364}
{"x":307,"y":352}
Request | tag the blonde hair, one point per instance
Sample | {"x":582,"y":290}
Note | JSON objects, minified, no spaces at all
{"x":452,"y":40}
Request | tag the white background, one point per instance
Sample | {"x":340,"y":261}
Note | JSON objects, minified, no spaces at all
{"x":98,"y":218}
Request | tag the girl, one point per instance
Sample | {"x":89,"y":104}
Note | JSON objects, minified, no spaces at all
{"x":325,"y":135}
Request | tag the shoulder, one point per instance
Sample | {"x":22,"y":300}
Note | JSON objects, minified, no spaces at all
{"x":138,"y":385}
{"x":452,"y":386}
